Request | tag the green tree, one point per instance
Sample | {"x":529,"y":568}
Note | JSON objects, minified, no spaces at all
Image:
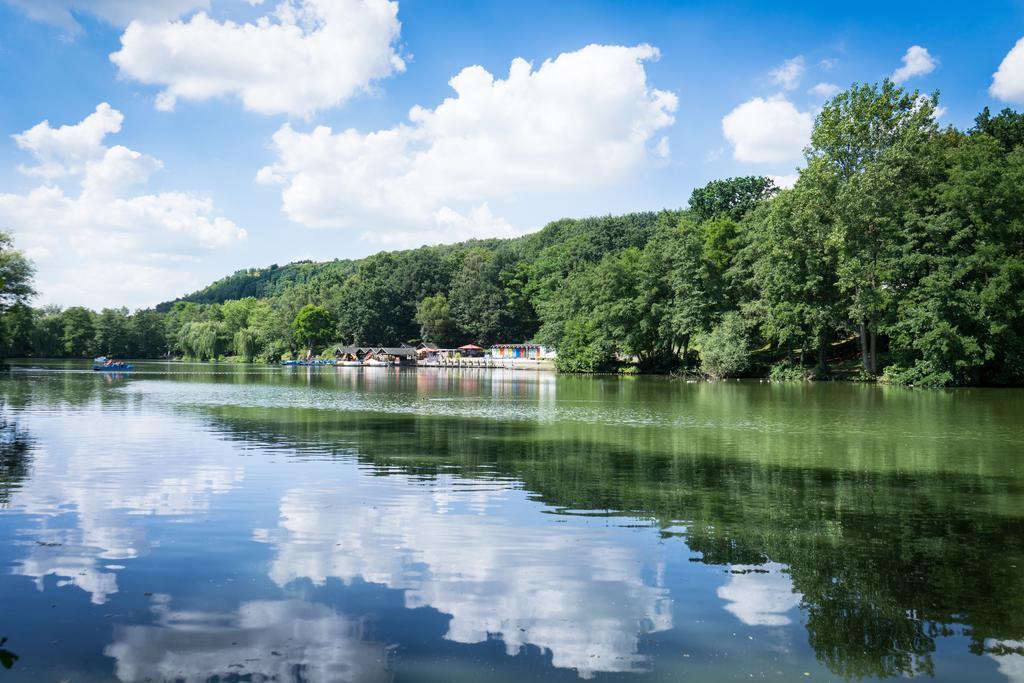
{"x":585,"y":349}
{"x":730,"y":198}
{"x":146,"y":329}
{"x":869,"y":139}
{"x":246,"y":342}
{"x":796,"y":266}
{"x":313,"y":326}
{"x":78,"y":335}
{"x":113,"y":332}
{"x":1007,"y":127}
{"x":15,"y":291}
{"x":16,"y":273}
{"x":200,"y":340}
{"x":435,"y":319}
{"x":47,"y":333}
{"x":725,"y":350}
{"x":960,"y":318}
{"x":477,"y":301}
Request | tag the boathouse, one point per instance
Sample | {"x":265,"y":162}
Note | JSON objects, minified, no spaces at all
{"x":394,"y":354}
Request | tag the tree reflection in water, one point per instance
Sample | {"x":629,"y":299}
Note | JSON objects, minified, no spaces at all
{"x":15,"y":459}
{"x":883,"y":563}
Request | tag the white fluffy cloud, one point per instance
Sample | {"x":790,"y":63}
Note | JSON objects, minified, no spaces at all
{"x":916,"y":62}
{"x":769,"y":130}
{"x":305,"y":56}
{"x":581,"y":121}
{"x":1008,"y":80}
{"x":118,"y":12}
{"x":789,"y":73}
{"x":825,"y":90}
{"x":72,"y":232}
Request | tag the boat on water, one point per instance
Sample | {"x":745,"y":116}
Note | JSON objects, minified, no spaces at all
{"x":349,"y":363}
{"x":373,"y":363}
{"x":104,"y":364}
{"x":316,"y":361}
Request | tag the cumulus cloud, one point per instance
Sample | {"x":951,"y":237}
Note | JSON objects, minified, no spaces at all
{"x":916,"y":62}
{"x":1008,"y":80}
{"x":72,"y":230}
{"x":767,"y":130}
{"x":305,"y":56}
{"x":581,"y":121}
{"x":789,"y":73}
{"x":61,"y":13}
{"x":825,"y":90}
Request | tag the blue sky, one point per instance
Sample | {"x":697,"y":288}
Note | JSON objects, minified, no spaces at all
{"x":240,"y":134}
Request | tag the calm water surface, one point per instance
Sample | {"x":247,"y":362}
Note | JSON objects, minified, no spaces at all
{"x":202,"y":522}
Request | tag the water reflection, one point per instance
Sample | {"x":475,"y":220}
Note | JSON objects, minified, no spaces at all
{"x":1010,"y":657}
{"x":610,"y":527}
{"x":481,"y":554}
{"x":92,"y":480}
{"x":15,"y":458}
{"x":760,"y":595}
{"x":264,"y":640}
{"x":883,"y":565}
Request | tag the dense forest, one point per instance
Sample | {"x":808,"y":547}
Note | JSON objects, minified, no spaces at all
{"x":901,"y":246}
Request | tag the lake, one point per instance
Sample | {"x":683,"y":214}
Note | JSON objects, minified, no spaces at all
{"x":215,"y":522}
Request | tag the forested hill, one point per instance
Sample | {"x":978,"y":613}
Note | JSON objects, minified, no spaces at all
{"x":582,"y":241}
{"x":261,"y":282}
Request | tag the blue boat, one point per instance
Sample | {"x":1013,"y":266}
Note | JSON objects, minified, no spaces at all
{"x":104,"y":364}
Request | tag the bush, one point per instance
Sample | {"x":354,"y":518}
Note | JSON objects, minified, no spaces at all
{"x":788,"y":371}
{"x":725,"y":350}
{"x":582,"y":350}
{"x":923,"y":373}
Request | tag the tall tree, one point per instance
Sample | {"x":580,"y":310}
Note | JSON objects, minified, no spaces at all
{"x":477,"y":300}
{"x":796,"y":266}
{"x":869,"y":138}
{"x":313,"y":326}
{"x":435,"y":319}
{"x":15,"y":291}
{"x":731,"y":197}
{"x":113,"y":332}
{"x":79,"y":332}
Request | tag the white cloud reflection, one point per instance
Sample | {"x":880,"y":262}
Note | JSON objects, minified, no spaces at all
{"x":1011,"y":662}
{"x":760,"y":595}
{"x":580,"y":593}
{"x":79,"y":468}
{"x":263,"y":640}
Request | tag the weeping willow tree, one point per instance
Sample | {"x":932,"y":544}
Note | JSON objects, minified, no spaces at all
{"x":200,"y":340}
{"x":246,"y":344}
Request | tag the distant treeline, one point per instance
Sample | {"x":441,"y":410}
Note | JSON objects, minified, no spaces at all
{"x":901,"y":237}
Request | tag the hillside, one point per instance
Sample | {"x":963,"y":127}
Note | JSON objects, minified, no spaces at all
{"x":577,"y":240}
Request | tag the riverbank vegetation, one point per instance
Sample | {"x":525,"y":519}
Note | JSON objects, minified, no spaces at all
{"x":900,"y":247}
